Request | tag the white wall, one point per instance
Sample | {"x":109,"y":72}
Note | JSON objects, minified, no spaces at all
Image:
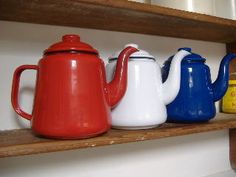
{"x":188,"y":156}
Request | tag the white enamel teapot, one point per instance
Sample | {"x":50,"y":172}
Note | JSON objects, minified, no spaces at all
{"x":144,"y":103}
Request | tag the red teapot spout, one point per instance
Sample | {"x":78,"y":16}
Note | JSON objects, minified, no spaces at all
{"x":117,"y":87}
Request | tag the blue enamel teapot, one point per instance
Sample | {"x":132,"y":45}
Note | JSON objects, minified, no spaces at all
{"x":196,"y":99}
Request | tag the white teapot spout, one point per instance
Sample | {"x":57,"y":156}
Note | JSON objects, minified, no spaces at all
{"x":171,"y":86}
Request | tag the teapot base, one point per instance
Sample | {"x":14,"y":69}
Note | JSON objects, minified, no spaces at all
{"x":135,"y":127}
{"x":187,"y":121}
{"x":71,"y":137}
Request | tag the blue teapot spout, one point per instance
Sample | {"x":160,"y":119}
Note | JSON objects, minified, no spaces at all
{"x":220,"y":86}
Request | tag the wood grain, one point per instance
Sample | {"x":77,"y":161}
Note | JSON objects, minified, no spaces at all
{"x":120,"y":15}
{"x":24,"y":142}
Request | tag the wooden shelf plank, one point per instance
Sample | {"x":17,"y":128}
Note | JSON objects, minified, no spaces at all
{"x":120,"y":15}
{"x":24,"y":142}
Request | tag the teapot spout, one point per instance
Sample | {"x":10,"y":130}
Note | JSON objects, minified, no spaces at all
{"x":171,"y":86}
{"x":220,"y":86}
{"x":117,"y":87}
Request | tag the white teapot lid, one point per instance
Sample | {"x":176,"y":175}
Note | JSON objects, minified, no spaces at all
{"x":141,"y":54}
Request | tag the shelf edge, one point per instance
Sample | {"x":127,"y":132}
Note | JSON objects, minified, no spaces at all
{"x":113,"y":137}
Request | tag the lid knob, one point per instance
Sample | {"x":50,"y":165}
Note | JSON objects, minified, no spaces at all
{"x":132,"y":45}
{"x":185,"y":48}
{"x":71,"y":38}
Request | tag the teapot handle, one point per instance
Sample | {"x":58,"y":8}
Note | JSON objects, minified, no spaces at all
{"x":15,"y":90}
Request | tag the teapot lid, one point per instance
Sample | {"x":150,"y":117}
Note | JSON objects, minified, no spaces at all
{"x":141,"y":54}
{"x":71,"y":42}
{"x":192,"y":56}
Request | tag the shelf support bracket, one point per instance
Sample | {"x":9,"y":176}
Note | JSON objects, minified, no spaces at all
{"x":232,"y":145}
{"x":231,"y":48}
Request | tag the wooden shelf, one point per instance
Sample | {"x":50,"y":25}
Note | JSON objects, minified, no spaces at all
{"x":120,"y":15}
{"x":24,"y":142}
{"x":117,"y":15}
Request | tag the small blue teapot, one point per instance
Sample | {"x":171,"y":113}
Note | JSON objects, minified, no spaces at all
{"x":196,"y":99}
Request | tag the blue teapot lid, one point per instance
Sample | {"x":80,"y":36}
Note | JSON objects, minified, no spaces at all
{"x":192,"y":56}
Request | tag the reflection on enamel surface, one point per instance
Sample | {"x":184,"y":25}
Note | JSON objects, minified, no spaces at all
{"x":233,"y":7}
{"x":190,"y":5}
{"x":137,"y":74}
{"x":74,"y":64}
{"x":73,"y":76}
{"x":190,"y":70}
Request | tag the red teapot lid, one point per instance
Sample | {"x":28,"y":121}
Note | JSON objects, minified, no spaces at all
{"x":71,"y":42}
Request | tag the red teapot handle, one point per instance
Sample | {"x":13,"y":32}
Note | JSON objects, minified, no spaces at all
{"x":15,"y":90}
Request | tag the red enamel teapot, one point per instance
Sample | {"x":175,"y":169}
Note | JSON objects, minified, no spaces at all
{"x":72,"y":98}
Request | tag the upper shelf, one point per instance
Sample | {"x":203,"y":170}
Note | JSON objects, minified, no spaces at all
{"x":120,"y":15}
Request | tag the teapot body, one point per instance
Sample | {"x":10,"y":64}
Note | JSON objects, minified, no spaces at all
{"x":142,"y":106}
{"x":195,"y":100}
{"x":144,"y":103}
{"x":72,"y":98}
{"x":69,"y":98}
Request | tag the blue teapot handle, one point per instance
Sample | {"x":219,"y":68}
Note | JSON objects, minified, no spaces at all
{"x":220,"y":86}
